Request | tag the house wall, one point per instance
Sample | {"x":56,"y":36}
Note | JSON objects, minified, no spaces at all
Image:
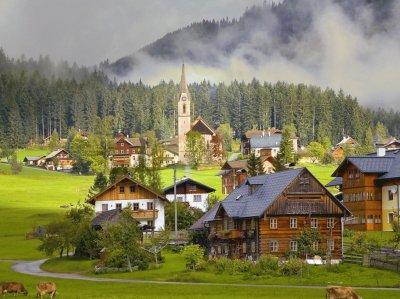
{"x":189,"y":198}
{"x":159,"y":207}
{"x":390,"y":206}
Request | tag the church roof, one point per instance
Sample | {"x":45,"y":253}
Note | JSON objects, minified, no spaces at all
{"x":200,"y":125}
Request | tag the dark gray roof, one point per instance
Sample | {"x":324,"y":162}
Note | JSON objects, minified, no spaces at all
{"x":266,"y":141}
{"x":241,"y":204}
{"x":208,"y":216}
{"x":190,"y":181}
{"x":366,"y":164}
{"x":29,"y":158}
{"x":394,"y":170}
{"x":335,"y":182}
{"x":110,"y":216}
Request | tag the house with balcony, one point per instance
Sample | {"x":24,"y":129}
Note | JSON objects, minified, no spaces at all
{"x":146,"y":205}
{"x":267,"y":213}
{"x":370,"y":187}
{"x":128,"y":150}
{"x":191,"y":192}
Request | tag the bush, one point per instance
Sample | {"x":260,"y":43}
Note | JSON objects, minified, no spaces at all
{"x":223,"y":264}
{"x":115,"y":259}
{"x":336,"y":268}
{"x":348,"y":232}
{"x":241,"y":266}
{"x":268,"y":262}
{"x":294,"y":266}
{"x":256,"y":270}
{"x":193,"y":255}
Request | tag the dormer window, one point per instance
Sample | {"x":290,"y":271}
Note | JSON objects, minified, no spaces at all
{"x":253,"y":188}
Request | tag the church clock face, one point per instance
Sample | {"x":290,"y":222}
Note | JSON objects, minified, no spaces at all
{"x":184,"y":98}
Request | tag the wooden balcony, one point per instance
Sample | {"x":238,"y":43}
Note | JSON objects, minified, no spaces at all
{"x":144,"y":214}
{"x":230,"y":234}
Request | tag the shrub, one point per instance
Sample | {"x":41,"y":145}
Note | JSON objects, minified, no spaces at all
{"x":348,"y":232}
{"x":336,"y":268}
{"x":256,"y":270}
{"x":193,"y":255}
{"x":223,"y":264}
{"x":115,"y":259}
{"x":268,"y":262}
{"x":241,"y":266}
{"x":294,"y":266}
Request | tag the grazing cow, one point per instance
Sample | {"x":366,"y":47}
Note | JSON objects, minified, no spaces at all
{"x":12,"y":287}
{"x":341,"y":293}
{"x":44,"y":288}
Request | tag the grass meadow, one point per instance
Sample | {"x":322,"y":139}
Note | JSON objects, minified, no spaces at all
{"x":35,"y":197}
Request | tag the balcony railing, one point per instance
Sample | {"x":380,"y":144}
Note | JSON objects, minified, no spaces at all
{"x":144,"y":214}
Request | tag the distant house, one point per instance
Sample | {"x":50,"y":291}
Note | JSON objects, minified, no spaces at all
{"x":171,"y":151}
{"x":391,"y":143}
{"x":127,"y":150}
{"x":245,"y":147}
{"x":348,"y":142}
{"x":34,"y":161}
{"x":267,"y":213}
{"x":233,"y":173}
{"x":58,"y":160}
{"x":147,"y":206}
{"x":370,"y":187}
{"x":191,"y":192}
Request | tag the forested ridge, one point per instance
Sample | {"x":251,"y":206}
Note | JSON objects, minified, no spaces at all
{"x":37,"y":97}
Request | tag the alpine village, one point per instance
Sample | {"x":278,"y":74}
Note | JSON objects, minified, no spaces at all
{"x":116,"y":187}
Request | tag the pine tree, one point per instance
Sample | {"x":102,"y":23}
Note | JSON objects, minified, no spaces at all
{"x":254,"y":166}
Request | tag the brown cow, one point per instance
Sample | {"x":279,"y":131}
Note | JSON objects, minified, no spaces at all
{"x":341,"y":293}
{"x":44,"y":288}
{"x":12,"y":287}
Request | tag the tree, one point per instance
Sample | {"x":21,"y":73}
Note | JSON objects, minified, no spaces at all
{"x":195,"y":148}
{"x":315,"y":151}
{"x":54,"y":141}
{"x":124,"y":237}
{"x":226,"y":133}
{"x":117,"y":173}
{"x":254,"y":166}
{"x":100,"y":182}
{"x":380,"y":132}
{"x":6,"y":150}
{"x":16,"y":167}
{"x":286,"y":146}
{"x":186,"y":216}
{"x":156,"y":244}
{"x":193,"y":255}
{"x":59,"y":236}
{"x":212,"y":200}
{"x":306,"y":240}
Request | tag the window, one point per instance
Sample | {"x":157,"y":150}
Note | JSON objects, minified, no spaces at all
{"x":179,"y":198}
{"x":184,"y":108}
{"x":273,"y":223}
{"x":378,"y":219}
{"x":314,"y":222}
{"x":197,"y":198}
{"x":118,"y":206}
{"x":293,"y":222}
{"x":136,"y":206}
{"x":244,"y":247}
{"x":253,"y":247}
{"x":331,"y":244}
{"x":244,"y":225}
{"x":390,"y":195}
{"x":132,"y":188}
{"x":122,"y":151}
{"x":150,"y":223}
{"x":330,"y":222}
{"x":236,"y":225}
{"x":370,"y":219}
{"x":293,"y":245}
{"x":104,"y":207}
{"x":315,"y":245}
{"x":390,"y":218}
{"x":122,"y":144}
{"x":121,"y":189}
{"x":273,"y":246}
{"x":150,"y":206}
{"x":253,"y":223}
{"x":192,"y":188}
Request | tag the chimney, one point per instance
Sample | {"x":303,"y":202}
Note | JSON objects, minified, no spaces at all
{"x":263,"y":133}
{"x":380,"y":150}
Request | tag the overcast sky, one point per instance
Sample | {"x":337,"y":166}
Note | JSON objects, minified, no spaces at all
{"x":90,"y":31}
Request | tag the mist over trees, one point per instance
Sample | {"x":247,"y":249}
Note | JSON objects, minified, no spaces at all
{"x":37,"y":101}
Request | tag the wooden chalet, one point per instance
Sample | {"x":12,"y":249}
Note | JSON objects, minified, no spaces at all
{"x":189,"y":191}
{"x":147,"y":206}
{"x":339,"y":149}
{"x":58,"y":160}
{"x":391,"y":143}
{"x":34,"y":160}
{"x":370,"y":189}
{"x":233,"y":174}
{"x":267,"y":213}
{"x":127,"y":150}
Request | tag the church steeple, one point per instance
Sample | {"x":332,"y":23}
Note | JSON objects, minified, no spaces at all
{"x":183,"y":85}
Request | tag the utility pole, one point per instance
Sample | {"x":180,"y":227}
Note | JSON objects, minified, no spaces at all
{"x":175,"y":207}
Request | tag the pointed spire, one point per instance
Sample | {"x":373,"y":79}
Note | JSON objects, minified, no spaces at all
{"x":183,"y":85}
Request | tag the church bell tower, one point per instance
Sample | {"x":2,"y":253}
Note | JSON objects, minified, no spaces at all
{"x":183,"y":117}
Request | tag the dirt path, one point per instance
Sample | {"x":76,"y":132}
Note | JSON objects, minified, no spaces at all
{"x":33,"y":268}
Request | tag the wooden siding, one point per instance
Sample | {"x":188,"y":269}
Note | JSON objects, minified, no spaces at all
{"x":115,"y":194}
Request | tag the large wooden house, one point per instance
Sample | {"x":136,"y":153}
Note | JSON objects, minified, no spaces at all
{"x":127,"y":150}
{"x":147,"y":206}
{"x":233,"y":173}
{"x":59,"y":160}
{"x":267,"y":214}
{"x":370,"y":189}
{"x":191,"y":192}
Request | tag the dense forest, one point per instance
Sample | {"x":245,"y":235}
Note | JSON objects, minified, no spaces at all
{"x":38,"y":97}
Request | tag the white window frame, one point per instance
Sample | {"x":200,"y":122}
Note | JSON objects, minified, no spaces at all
{"x":293,"y":245}
{"x":197,"y":198}
{"x":293,"y":223}
{"x":315,"y":245}
{"x":330,"y":244}
{"x":314,"y":222}
{"x":273,"y":246}
{"x":330,"y":222}
{"x":273,"y":223}
{"x":390,"y":213}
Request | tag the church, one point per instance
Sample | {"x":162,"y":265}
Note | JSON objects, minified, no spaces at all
{"x":212,"y":141}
